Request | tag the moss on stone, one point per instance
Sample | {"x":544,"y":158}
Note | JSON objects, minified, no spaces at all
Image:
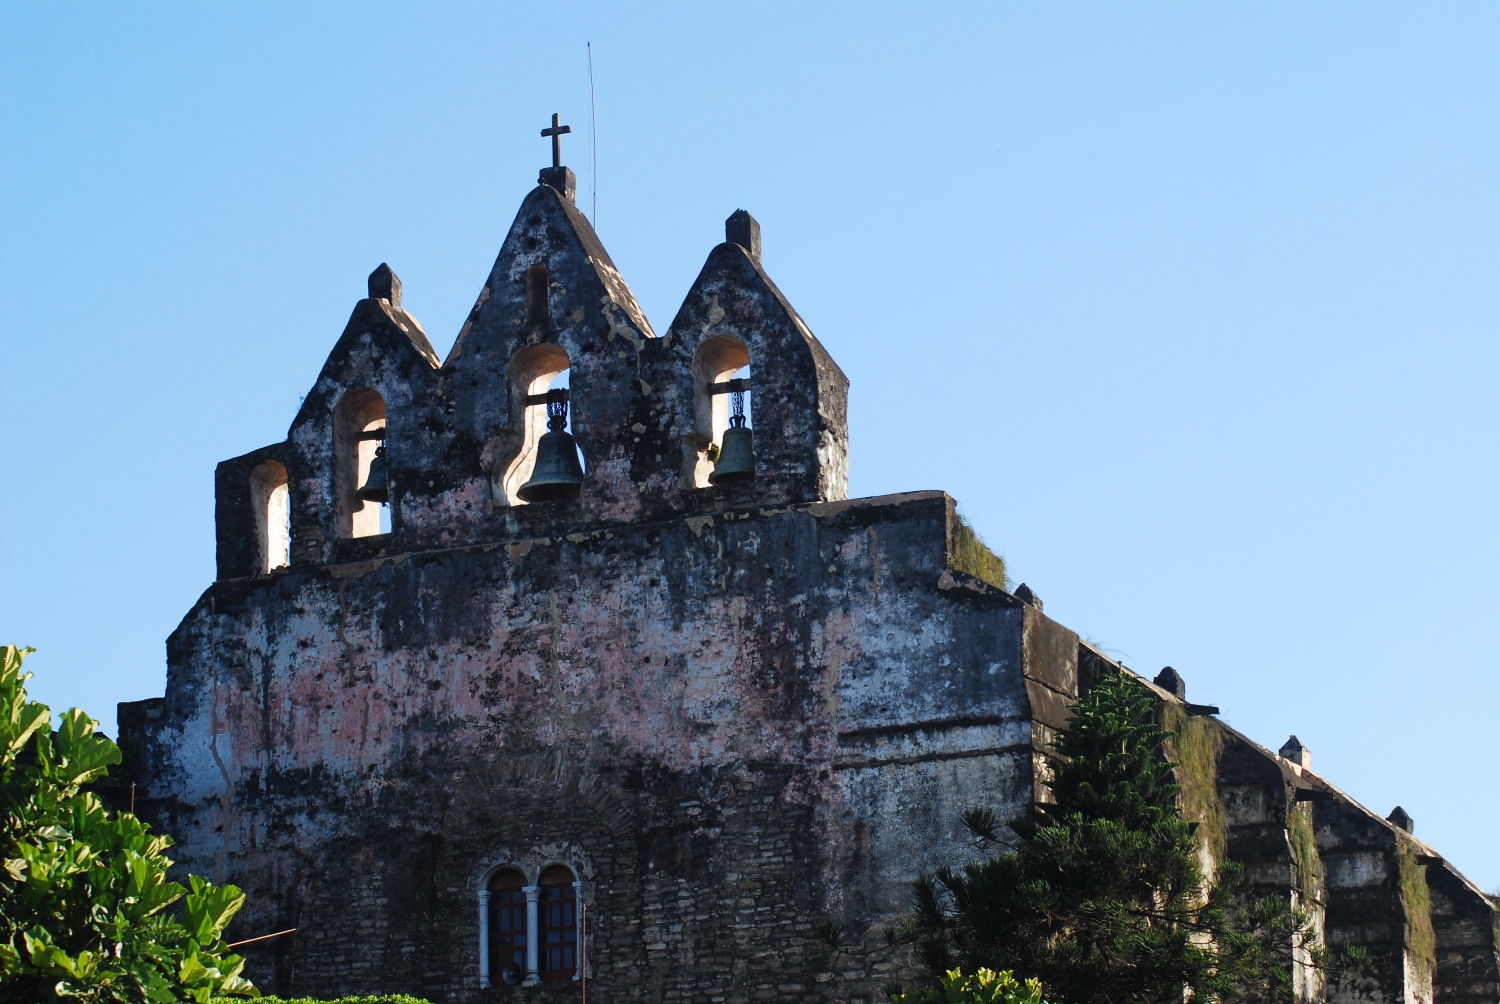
{"x":1299,"y":829}
{"x":972,"y":556}
{"x":1421,"y":942}
{"x":1195,"y":749}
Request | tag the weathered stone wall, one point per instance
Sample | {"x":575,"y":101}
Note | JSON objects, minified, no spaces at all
{"x":745,"y":723}
{"x":1466,"y":933}
{"x":1425,"y":932}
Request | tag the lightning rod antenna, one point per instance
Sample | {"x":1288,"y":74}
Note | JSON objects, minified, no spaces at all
{"x":593,"y":139}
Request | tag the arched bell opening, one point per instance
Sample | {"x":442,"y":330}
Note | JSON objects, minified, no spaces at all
{"x":270,"y":502}
{"x":548,"y":464}
{"x":361,"y":484}
{"x":720,"y":450}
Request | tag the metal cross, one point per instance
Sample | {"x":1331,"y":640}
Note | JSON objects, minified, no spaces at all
{"x":555,"y":132}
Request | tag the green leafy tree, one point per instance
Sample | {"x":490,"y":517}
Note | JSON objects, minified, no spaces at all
{"x":983,"y":987}
{"x":1105,"y":902}
{"x":83,"y":890}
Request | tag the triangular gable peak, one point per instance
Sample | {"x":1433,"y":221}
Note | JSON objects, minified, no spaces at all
{"x":584,"y":298}
{"x":382,"y":346}
{"x":734,"y":316}
{"x":553,"y":301}
{"x":293,"y":502}
{"x":382,"y":372}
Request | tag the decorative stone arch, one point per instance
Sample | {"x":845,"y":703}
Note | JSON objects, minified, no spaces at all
{"x":531,"y":865}
{"x":358,"y":414}
{"x":716,"y":359}
{"x":532,"y":861}
{"x":597,"y":793}
{"x":271,"y":511}
{"x":506,"y":862}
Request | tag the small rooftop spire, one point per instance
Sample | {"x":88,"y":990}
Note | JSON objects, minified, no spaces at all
{"x":1400,"y":818}
{"x":1294,"y":751}
{"x":383,"y":285}
{"x":1171,"y":681}
{"x":741,"y":228}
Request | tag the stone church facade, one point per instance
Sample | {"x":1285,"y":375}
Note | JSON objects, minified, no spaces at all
{"x":644,"y":741}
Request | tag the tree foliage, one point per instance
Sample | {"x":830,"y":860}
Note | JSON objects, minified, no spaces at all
{"x":1105,"y":902}
{"x":84,"y":890}
{"x":983,"y":987}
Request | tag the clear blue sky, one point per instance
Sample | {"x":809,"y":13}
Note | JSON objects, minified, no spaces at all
{"x":1193,"y":307}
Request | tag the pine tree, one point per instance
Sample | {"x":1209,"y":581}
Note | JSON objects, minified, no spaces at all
{"x":1105,"y":902}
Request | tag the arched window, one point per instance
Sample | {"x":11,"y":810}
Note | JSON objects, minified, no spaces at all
{"x":271,"y":504}
{"x":558,"y":914}
{"x":534,"y":371}
{"x":721,"y":376}
{"x":530,"y":934}
{"x":507,"y":923}
{"x":359,"y":432}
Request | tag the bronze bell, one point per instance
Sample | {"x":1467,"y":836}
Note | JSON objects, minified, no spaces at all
{"x":377,"y":486}
{"x":736,"y":458}
{"x":737,"y":451}
{"x":557,"y":473}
